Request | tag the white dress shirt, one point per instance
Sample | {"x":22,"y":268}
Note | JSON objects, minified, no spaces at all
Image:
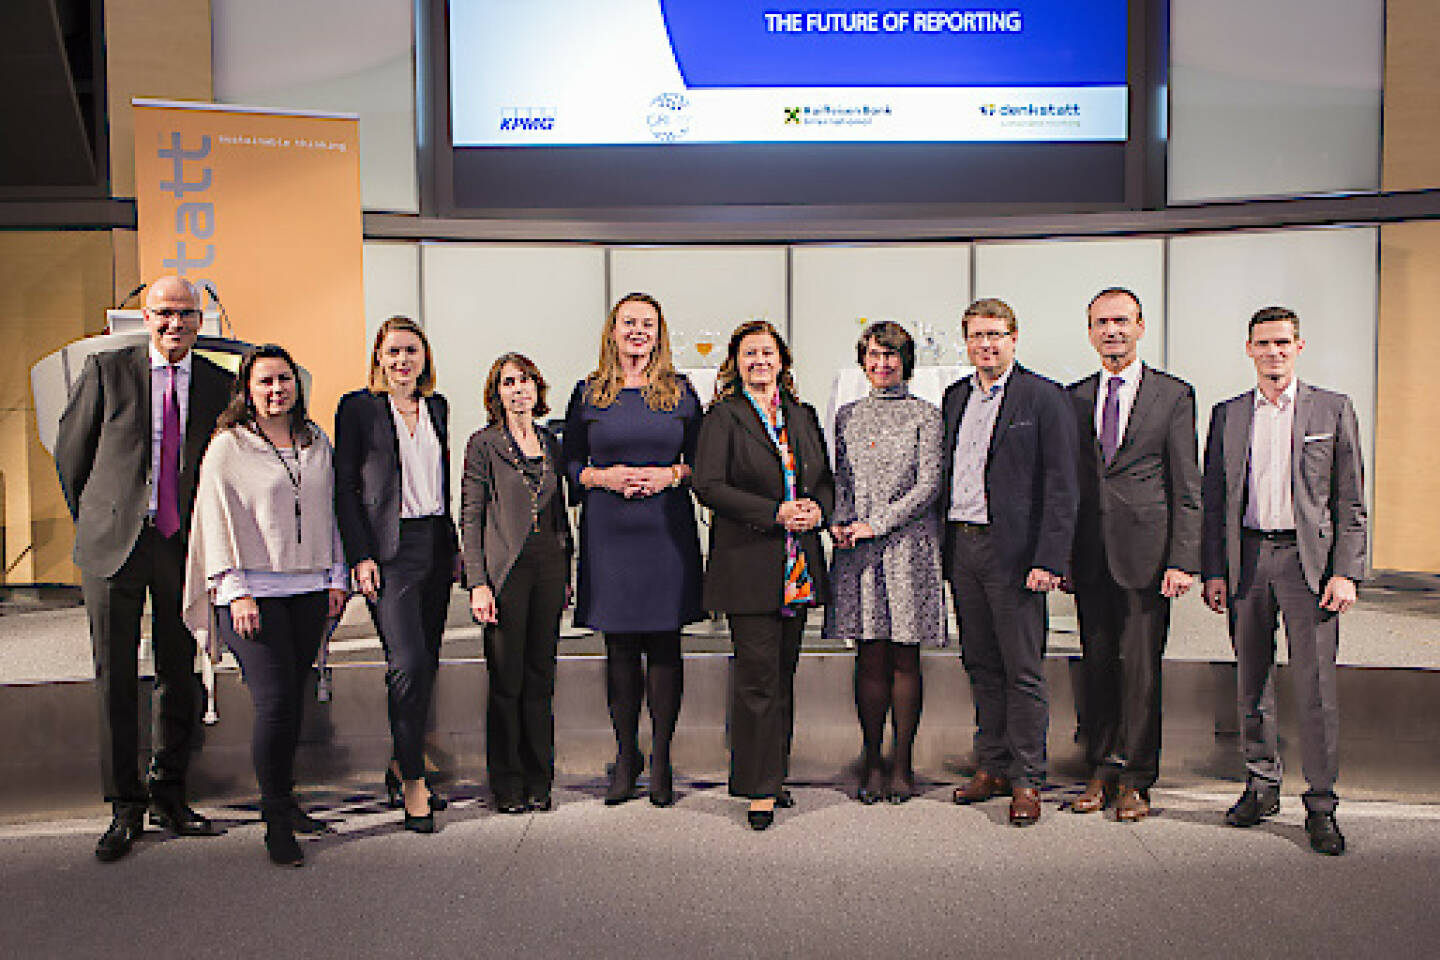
{"x":972,"y":450}
{"x":1129,"y":385}
{"x":1271,"y":504}
{"x":420,"y":468}
{"x":158,"y":363}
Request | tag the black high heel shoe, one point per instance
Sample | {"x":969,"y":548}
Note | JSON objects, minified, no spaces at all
{"x":396,"y":792}
{"x":902,"y":788}
{"x":622,"y":781}
{"x":425,"y":824}
{"x":662,"y":786}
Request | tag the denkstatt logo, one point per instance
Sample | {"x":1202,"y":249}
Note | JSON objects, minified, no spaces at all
{"x":1071,"y":110}
{"x":527,"y":118}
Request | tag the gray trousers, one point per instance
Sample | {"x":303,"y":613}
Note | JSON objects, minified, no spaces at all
{"x":1002,"y":644}
{"x":1272,"y":583}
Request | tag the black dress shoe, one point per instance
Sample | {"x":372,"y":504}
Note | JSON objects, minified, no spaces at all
{"x":171,"y":813}
{"x":760,"y":819}
{"x":540,"y":802}
{"x":511,"y":805}
{"x":117,"y":839}
{"x":1254,"y":805}
{"x":425,"y":824}
{"x":662,"y":786}
{"x":869,"y":797}
{"x":784,"y":799}
{"x":623,"y":775}
{"x":280,"y":843}
{"x":1325,"y":835}
{"x":902,"y":788}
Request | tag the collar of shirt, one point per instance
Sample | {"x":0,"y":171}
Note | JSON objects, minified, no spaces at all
{"x":1287,"y":397}
{"x":1127,"y":377}
{"x":159,"y":362}
{"x":996,"y":388}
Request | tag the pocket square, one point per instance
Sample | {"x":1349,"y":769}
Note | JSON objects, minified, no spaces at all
{"x":1021,"y":423}
{"x":1318,"y":436}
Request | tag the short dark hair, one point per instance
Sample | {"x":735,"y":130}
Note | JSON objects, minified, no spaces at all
{"x":494,"y":409}
{"x":1271,"y":314}
{"x":1115,"y":292}
{"x":241,"y":410}
{"x":992,"y":307}
{"x":889,"y":334}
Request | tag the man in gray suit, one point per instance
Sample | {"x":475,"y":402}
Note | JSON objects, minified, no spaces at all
{"x":1137,"y":547}
{"x":1285,"y":532}
{"x":128,"y":453}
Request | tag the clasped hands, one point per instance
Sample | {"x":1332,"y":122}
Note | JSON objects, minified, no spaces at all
{"x":847,"y":535}
{"x":799,"y":516}
{"x":632,"y":482}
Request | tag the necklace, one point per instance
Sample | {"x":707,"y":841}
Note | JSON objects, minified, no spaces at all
{"x":293,"y":476}
{"x":535,"y":483}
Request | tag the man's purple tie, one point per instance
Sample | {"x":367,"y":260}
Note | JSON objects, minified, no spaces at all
{"x":1110,"y":420}
{"x":167,"y":476}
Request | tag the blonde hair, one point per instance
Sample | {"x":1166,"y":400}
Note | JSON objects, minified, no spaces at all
{"x":727,"y":378}
{"x":425,"y":383}
{"x":662,"y":383}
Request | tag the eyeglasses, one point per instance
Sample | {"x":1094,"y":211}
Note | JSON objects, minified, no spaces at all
{"x":987,"y":336}
{"x":173,"y":313}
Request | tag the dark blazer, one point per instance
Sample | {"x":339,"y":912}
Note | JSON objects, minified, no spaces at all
{"x":102,"y":451}
{"x":495,"y":519}
{"x":738,"y":475}
{"x":1140,"y":514}
{"x":1030,"y":486}
{"x":367,"y":474}
{"x":1327,"y":484}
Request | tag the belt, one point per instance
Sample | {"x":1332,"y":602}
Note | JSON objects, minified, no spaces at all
{"x":965,"y":526}
{"x":1274,"y":536}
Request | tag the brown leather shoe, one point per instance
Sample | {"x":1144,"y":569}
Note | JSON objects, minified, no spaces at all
{"x":1097,"y":796}
{"x":982,"y":786}
{"x":1132,"y":806}
{"x":1024,"y":806}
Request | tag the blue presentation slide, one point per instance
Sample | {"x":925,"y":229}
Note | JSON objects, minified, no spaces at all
{"x":578,"y":72}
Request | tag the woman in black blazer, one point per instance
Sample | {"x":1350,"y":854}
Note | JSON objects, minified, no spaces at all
{"x":392,"y":500}
{"x":761,"y":466}
{"x":517,"y":564}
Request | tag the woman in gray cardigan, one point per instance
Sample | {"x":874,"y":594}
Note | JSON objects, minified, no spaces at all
{"x":516,"y":543}
{"x":886,"y":570}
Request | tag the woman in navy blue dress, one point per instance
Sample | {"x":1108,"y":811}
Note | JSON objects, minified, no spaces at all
{"x":629,"y":441}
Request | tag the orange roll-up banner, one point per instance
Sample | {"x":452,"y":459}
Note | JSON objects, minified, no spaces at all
{"x":264,"y":205}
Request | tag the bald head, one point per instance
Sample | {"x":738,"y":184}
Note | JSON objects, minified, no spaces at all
{"x":172,"y":316}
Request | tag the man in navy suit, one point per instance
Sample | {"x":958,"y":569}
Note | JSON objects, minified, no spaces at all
{"x":1010,"y":500}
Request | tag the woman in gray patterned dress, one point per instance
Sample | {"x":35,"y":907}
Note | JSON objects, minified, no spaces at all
{"x":886,"y":570}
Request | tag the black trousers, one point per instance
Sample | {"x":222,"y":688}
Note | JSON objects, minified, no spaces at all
{"x":409,"y":615}
{"x":520,"y":659}
{"x":114,"y":605}
{"x":276,"y":663}
{"x":1272,"y":583}
{"x":762,"y":701}
{"x":1002,"y":644}
{"x":1122,"y":637}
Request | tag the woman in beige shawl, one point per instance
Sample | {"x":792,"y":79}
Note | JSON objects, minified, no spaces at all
{"x":265,"y":560}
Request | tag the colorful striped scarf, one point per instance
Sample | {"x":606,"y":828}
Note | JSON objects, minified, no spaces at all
{"x":799,"y":589}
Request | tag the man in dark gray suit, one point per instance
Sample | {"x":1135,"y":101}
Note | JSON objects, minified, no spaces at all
{"x":1009,"y":499}
{"x":128,"y":453}
{"x":1137,"y":547}
{"x":1285,"y":532}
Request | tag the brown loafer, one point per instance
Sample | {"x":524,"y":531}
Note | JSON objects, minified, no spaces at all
{"x":1097,"y":796}
{"x":981,"y":787}
{"x":1024,"y":806}
{"x":1132,"y":806}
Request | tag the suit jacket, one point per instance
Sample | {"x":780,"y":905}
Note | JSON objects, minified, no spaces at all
{"x":103,"y":451}
{"x":495,"y":518}
{"x":1327,"y":482}
{"x":738,"y":475}
{"x":1030,"y":487}
{"x":1140,"y":514}
{"x":367,"y":474}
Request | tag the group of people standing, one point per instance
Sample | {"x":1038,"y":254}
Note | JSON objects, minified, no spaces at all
{"x":1015,"y":486}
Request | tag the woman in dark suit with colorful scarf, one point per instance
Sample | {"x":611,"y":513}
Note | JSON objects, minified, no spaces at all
{"x":761,"y":466}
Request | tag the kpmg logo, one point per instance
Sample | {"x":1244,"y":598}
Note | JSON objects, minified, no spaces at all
{"x":527,"y":119}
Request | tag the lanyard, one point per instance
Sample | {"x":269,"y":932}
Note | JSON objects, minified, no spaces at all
{"x":294,"y":477}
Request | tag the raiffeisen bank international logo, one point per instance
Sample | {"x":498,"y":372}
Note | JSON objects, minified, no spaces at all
{"x":792,"y":114}
{"x":513,"y":119}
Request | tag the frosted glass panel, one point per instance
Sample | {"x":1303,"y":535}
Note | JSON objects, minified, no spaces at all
{"x":1275,"y":98}
{"x":835,"y":287}
{"x":392,"y":284}
{"x":482,"y":301}
{"x":1049,"y":284}
{"x":356,"y":57}
{"x":1328,"y":277}
{"x":704,"y":290}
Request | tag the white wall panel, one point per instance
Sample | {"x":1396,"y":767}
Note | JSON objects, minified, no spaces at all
{"x":1328,"y":277}
{"x":392,"y":283}
{"x":1274,"y":98}
{"x":704,"y":289}
{"x":356,"y":57}
{"x":482,"y":301}
{"x":834,"y":287}
{"x":1049,"y":284}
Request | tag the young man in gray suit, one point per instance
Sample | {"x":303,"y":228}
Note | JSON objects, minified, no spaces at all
{"x":128,"y":452}
{"x":1285,"y":532}
{"x":1137,"y":547}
